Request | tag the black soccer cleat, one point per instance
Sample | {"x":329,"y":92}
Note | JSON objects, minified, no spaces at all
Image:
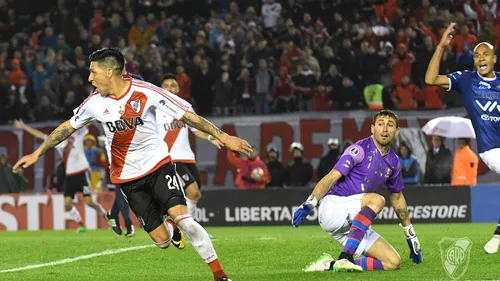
{"x":130,"y":231}
{"x":114,"y":223}
{"x":223,"y":279}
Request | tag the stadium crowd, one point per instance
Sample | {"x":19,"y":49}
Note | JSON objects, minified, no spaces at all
{"x":243,"y":56}
{"x":240,"y":57}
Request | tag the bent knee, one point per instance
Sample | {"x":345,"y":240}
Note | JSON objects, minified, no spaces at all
{"x":193,"y":192}
{"x":393,"y":262}
{"x":376,"y":202}
{"x":163,"y":245}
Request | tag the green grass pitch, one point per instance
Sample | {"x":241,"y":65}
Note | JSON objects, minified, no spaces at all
{"x":275,"y":253}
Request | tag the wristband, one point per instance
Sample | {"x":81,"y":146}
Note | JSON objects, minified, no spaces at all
{"x":409,"y":231}
{"x":311,"y":199}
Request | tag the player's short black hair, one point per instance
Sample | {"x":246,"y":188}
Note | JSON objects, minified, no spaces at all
{"x":109,"y":57}
{"x":169,"y":76}
{"x":386,"y":112}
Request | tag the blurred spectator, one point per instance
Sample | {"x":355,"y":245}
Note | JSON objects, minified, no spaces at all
{"x":140,"y":33}
{"x":243,"y":91}
{"x":298,"y":172}
{"x":465,"y":59}
{"x":433,"y":97}
{"x":407,"y":95}
{"x":348,"y":96}
{"x":373,"y":96}
{"x":46,"y":111}
{"x":305,"y":82}
{"x":465,"y":36}
{"x":401,"y":64}
{"x":224,"y":96}
{"x":465,"y":164}
{"x":264,"y":84}
{"x":97,"y":161}
{"x":321,"y":100}
{"x":16,"y":72}
{"x":25,"y":99}
{"x":252,"y":172}
{"x":271,"y":12}
{"x":327,"y":162}
{"x":439,"y":163}
{"x":203,"y":94}
{"x":275,"y":167}
{"x":283,"y":94}
{"x":184,"y":83}
{"x":10,"y":182}
{"x":410,"y":167}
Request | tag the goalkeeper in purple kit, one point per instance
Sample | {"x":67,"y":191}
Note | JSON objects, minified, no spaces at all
{"x":348,"y":203}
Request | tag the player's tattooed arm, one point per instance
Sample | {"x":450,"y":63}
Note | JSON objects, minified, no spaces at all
{"x":56,"y":137}
{"x":196,"y":121}
{"x":230,"y":142}
{"x":398,"y":202}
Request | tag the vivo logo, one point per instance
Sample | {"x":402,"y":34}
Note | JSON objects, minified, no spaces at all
{"x":489,"y":106}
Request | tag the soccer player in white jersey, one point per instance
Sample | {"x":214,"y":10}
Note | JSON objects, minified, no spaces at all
{"x":177,"y":137}
{"x":140,"y":161}
{"x":76,"y":169}
{"x":480,"y":92}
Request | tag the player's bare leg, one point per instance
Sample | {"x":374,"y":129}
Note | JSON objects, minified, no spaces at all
{"x":96,"y":206}
{"x":73,"y":214}
{"x":371,"y":205}
{"x":193,"y":196}
{"x":199,"y":239}
{"x":380,"y":256}
{"x":494,"y":244}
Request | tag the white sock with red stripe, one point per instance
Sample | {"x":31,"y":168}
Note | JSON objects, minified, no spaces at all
{"x":75,"y":215}
{"x":198,"y":236}
{"x":191,"y":206}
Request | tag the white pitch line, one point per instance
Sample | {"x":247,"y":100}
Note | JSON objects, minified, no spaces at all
{"x":84,"y":257}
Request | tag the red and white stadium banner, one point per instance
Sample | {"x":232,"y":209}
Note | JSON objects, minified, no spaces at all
{"x":46,"y":211}
{"x":311,"y":129}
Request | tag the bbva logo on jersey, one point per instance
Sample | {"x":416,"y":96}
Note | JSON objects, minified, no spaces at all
{"x":124,"y":124}
{"x":489,"y":106}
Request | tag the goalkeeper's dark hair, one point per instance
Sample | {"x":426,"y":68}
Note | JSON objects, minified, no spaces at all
{"x":169,"y":76}
{"x":386,"y":112}
{"x":109,"y":58}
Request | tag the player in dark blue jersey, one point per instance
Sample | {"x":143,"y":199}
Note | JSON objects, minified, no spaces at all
{"x":480,"y":92}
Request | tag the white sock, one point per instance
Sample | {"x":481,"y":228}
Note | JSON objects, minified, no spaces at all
{"x":198,"y":236}
{"x":75,"y":215}
{"x":191,"y":206}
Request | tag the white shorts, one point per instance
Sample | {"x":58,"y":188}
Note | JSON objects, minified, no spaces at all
{"x":492,"y":159}
{"x":335,"y":216}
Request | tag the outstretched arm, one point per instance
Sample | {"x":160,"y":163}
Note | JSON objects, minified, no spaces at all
{"x":432,"y":76}
{"x":205,"y":136}
{"x":19,"y":124}
{"x":57,"y":136}
{"x":202,"y":124}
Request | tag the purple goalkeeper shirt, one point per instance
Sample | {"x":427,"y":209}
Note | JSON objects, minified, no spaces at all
{"x":365,"y":170}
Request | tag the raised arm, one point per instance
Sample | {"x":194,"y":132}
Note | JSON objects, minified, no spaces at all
{"x":432,"y":76}
{"x":202,"y":124}
{"x":19,"y":124}
{"x":57,"y":136}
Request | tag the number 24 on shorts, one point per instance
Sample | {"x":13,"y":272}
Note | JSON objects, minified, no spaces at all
{"x":172,"y":182}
